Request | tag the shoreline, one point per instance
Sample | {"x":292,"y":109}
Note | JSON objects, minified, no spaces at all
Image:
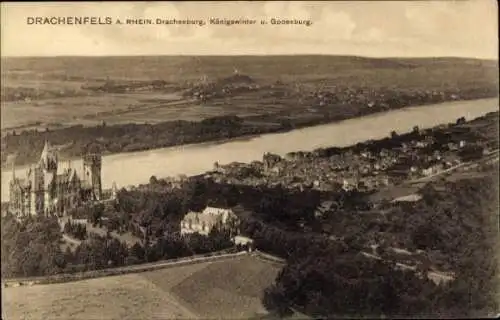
{"x":247,"y":137}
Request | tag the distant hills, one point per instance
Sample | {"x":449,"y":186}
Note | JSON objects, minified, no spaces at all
{"x":191,"y":67}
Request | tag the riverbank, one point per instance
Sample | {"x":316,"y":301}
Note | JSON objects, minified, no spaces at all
{"x":131,"y":137}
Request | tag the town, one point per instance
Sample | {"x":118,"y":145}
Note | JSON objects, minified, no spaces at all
{"x":367,"y":166}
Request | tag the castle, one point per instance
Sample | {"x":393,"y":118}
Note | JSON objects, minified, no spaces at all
{"x":49,"y":189}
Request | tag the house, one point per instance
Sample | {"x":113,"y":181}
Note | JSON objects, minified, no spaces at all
{"x":79,"y":221}
{"x":432,"y":169}
{"x":421,"y":144}
{"x":409,"y":198}
{"x":453,"y":146}
{"x":210,"y":218}
{"x":427,"y":171}
{"x":270,"y":160}
{"x":366,"y":154}
{"x":350,"y":184}
{"x":400,"y":170}
{"x":244,"y":242}
{"x":324,"y":207}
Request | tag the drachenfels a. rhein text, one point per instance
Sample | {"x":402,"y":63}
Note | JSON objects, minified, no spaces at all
{"x":69,"y":20}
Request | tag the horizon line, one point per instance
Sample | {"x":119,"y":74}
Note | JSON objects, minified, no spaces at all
{"x":246,"y":55}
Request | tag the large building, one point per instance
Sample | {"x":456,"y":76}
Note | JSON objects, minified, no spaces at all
{"x":49,"y":189}
{"x":210,"y":218}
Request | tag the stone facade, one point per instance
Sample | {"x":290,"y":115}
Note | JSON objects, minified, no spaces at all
{"x":210,"y":218}
{"x":49,"y":189}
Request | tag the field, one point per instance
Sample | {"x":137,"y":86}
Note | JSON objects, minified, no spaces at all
{"x":229,"y":290}
{"x":223,"y":289}
{"x":88,"y":110}
{"x":39,"y":93}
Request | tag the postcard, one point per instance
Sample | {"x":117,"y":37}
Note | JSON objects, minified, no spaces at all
{"x":249,"y":160}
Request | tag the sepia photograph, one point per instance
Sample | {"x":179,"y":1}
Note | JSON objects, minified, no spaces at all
{"x":250,"y":160}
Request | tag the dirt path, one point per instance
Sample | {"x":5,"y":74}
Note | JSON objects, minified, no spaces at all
{"x":436,"y":276}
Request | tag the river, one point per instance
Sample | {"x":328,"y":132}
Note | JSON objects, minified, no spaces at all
{"x":137,"y":167}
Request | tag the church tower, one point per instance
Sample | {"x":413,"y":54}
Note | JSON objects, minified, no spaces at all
{"x":92,"y":172}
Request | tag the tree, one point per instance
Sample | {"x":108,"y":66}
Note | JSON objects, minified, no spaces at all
{"x":31,"y":248}
{"x":153,"y":180}
{"x":275,"y":302}
{"x":137,"y":251}
{"x":116,"y":252}
{"x":460,"y":120}
{"x":97,"y":212}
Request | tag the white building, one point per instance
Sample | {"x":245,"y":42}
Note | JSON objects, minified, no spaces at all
{"x":203,"y":222}
{"x":240,"y":240}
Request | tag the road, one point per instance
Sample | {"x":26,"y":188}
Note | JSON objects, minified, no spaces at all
{"x":493,"y":155}
{"x":412,"y":186}
{"x":71,"y":240}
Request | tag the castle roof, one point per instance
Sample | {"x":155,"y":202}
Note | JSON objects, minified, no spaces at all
{"x":48,"y":154}
{"x":46,"y":149}
{"x":68,"y":175}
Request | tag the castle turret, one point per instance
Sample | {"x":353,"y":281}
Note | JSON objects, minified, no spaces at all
{"x":92,"y":172}
{"x":114,"y":191}
{"x":48,"y":159}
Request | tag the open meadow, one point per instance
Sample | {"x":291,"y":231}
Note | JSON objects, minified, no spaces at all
{"x":225,"y":289}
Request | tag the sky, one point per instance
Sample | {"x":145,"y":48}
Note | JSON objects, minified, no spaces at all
{"x":465,"y":28}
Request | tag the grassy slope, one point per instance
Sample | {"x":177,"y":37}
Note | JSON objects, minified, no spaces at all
{"x":214,"y":289}
{"x":124,"y":297}
{"x":229,"y":290}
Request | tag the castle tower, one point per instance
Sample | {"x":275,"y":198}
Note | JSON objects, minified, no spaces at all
{"x":48,"y":160}
{"x":114,"y":191}
{"x":14,"y":201}
{"x":92,"y":172}
{"x":13,"y":168}
{"x":37,"y":197}
{"x":48,"y":165}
